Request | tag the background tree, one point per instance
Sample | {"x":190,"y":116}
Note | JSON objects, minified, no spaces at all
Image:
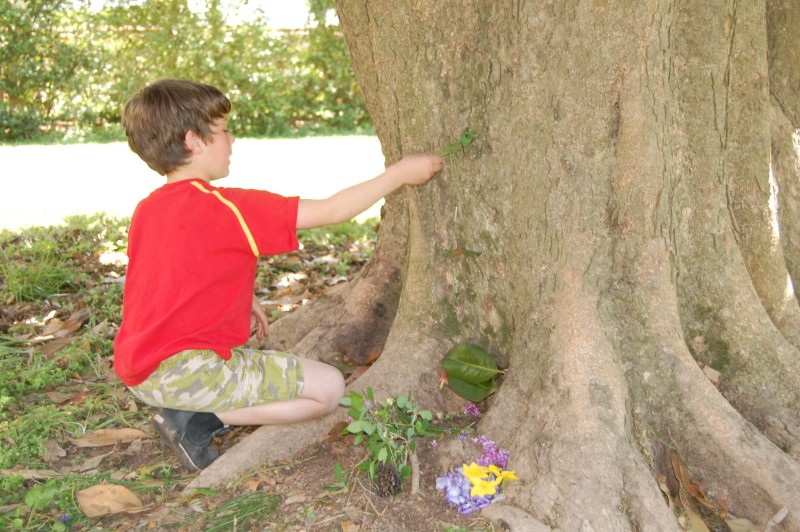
{"x":38,"y":59}
{"x":67,"y":67}
{"x":613,"y":230}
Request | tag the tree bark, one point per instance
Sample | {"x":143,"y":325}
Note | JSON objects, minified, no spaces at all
{"x":608,"y":234}
{"x":783,"y":30}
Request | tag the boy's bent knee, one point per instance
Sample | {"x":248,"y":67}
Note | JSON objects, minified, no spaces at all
{"x":335,"y":389}
{"x":323,"y":383}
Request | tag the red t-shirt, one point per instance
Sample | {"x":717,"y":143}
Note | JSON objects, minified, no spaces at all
{"x":193,"y":251}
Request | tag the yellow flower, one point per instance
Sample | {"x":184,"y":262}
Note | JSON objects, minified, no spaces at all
{"x":485,"y":480}
{"x":506,"y":475}
{"x":475,"y":472}
{"x":483,"y":488}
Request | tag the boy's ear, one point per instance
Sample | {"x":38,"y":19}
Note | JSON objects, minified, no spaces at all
{"x":192,"y":142}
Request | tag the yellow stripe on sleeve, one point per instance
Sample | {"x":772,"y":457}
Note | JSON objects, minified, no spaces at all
{"x":235,"y":211}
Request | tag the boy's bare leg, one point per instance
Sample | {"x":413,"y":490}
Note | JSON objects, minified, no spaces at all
{"x":322,"y":388}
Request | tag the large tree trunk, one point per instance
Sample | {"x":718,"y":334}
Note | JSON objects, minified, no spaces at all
{"x":612,"y":230}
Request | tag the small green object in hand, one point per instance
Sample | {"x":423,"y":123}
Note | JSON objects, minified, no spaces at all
{"x":464,"y":140}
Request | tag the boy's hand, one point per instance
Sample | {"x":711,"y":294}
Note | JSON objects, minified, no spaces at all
{"x":261,"y":324}
{"x":416,"y":169}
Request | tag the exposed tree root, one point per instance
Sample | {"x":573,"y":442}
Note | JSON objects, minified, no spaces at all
{"x":786,"y":174}
{"x":760,"y":369}
{"x":571,"y":442}
{"x":745,"y":143}
{"x":355,"y":319}
{"x":673,"y":397}
{"x":763,"y":390}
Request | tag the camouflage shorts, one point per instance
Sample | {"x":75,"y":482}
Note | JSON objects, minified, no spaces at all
{"x":201,"y":381}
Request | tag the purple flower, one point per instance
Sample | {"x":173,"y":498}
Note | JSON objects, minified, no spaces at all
{"x":492,"y":454}
{"x":463,"y":435}
{"x":472,"y":409}
{"x":474,"y":504}
{"x":64,"y":518}
{"x":456,"y":488}
{"x":434,"y":444}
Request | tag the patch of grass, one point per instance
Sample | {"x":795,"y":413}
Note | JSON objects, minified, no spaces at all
{"x":241,"y":512}
{"x":105,"y":303}
{"x":39,"y":279}
{"x":33,"y":372}
{"x":39,"y":263}
{"x":28,"y":418}
{"x":29,"y":432}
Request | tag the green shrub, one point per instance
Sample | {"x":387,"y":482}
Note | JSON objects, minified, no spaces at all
{"x":67,"y":69}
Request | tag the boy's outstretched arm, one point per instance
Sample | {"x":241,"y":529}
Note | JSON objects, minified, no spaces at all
{"x":347,"y":203}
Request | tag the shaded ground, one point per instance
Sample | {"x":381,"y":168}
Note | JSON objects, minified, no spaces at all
{"x":301,"y":502}
{"x":80,"y":323}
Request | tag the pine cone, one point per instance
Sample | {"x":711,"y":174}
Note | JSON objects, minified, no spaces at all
{"x":387,"y":480}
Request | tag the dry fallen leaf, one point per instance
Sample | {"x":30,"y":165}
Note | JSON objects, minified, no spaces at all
{"x":134,"y":448}
{"x":92,"y":463}
{"x":739,"y":524}
{"x":251,"y":484}
{"x":52,"y":347}
{"x":59,"y":329}
{"x":686,"y":483}
{"x":53,"y":451}
{"x":129,"y":404}
{"x":29,"y":474}
{"x":694,"y":523}
{"x":102,"y":437}
{"x":350,"y":526}
{"x":375,"y":355}
{"x":357,"y":372}
{"x":105,"y":499}
{"x":58,"y":397}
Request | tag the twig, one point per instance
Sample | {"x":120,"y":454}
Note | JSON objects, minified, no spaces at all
{"x":412,"y":459}
{"x":369,"y":500}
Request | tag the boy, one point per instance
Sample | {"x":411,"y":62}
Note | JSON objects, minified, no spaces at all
{"x":193,"y":250}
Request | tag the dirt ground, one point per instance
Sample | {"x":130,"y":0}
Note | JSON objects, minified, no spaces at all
{"x":306,"y":505}
{"x":296,"y":487}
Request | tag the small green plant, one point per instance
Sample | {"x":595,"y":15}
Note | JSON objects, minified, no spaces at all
{"x":388,"y":428}
{"x":340,"y":480}
{"x":462,"y":143}
{"x":38,"y":499}
{"x":471,"y":372}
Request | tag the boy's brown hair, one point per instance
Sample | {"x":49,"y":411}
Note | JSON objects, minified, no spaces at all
{"x":157,"y":119}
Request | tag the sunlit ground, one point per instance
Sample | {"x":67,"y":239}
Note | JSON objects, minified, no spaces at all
{"x":43,"y":184}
